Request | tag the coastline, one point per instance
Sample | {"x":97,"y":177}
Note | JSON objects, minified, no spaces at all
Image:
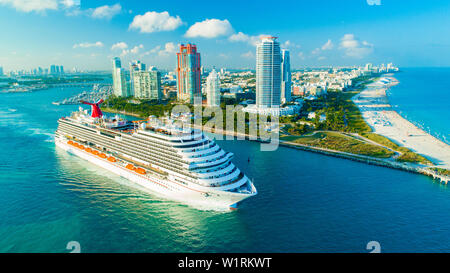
{"x":384,"y":120}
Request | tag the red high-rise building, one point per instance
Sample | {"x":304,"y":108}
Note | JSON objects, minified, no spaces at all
{"x":189,"y":82}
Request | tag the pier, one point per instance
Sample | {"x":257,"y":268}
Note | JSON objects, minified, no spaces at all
{"x":98,"y":93}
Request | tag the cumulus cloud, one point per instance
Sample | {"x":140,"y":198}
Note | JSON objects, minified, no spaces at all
{"x":210,"y":28}
{"x":70,"y":3}
{"x":169,"y":48}
{"x":87,"y":45}
{"x":301,"y":55}
{"x":248,"y":55}
{"x":242,"y":37}
{"x":153,"y":21}
{"x":119,"y":45}
{"x":106,"y":12}
{"x":354,"y":48}
{"x":135,"y":50}
{"x":31,"y":5}
{"x":328,"y":45}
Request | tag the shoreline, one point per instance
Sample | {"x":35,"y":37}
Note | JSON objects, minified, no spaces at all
{"x":384,"y":120}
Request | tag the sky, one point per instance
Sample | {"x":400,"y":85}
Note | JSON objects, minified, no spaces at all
{"x":88,"y":34}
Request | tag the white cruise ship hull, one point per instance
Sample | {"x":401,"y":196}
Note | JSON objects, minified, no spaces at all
{"x":209,"y":199}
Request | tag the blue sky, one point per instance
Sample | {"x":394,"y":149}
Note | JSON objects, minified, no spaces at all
{"x":87,"y":34}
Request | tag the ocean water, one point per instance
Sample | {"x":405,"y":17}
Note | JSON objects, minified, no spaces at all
{"x":423,"y":97}
{"x":307,"y":202}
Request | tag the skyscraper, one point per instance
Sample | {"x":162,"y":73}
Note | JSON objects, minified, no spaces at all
{"x":61,"y":69}
{"x":119,"y":79}
{"x":213,"y":89}
{"x":147,"y":84}
{"x":188,"y":73}
{"x":286,"y":81}
{"x":134,"y":67}
{"x":268,"y":73}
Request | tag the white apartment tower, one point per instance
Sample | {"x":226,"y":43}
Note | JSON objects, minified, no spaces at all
{"x":119,"y":79}
{"x":286,"y":81}
{"x":213,"y":89}
{"x":147,"y":84}
{"x":268,"y":73}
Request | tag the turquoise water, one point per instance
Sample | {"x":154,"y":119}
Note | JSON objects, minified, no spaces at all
{"x":423,"y":97}
{"x":306,"y":203}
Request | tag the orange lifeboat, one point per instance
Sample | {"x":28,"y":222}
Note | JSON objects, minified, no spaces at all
{"x":102,"y":155}
{"x":81,"y":147}
{"x":130,"y":167}
{"x":70,"y":142}
{"x":111,"y":159}
{"x":140,"y":171}
{"x":89,"y":150}
{"x":95,"y":152}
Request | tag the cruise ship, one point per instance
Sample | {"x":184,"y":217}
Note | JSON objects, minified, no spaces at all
{"x":160,"y":154}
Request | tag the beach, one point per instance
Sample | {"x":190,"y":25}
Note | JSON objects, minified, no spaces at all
{"x":384,"y":120}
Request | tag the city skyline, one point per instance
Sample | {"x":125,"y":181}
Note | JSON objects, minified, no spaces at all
{"x":88,"y":34}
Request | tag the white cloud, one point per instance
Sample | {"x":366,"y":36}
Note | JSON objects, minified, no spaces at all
{"x":87,"y":45}
{"x":119,"y":45}
{"x":70,"y":3}
{"x":210,"y":28}
{"x":321,"y":58}
{"x":353,"y":48}
{"x":315,"y":51}
{"x":241,"y":37}
{"x":169,"y":48}
{"x":328,"y":45}
{"x":154,"y":22}
{"x":31,"y":5}
{"x":248,"y":55}
{"x":223,"y":55}
{"x":106,"y":12}
{"x":135,"y":50}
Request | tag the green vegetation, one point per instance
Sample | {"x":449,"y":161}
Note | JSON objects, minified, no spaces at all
{"x":144,"y":108}
{"x":343,"y":143}
{"x":441,"y":171}
{"x":413,"y":158}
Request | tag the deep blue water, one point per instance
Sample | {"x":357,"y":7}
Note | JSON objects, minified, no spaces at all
{"x":423,"y":97}
{"x":306,"y":203}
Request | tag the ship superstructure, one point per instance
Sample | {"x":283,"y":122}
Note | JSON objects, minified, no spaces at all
{"x":160,"y":154}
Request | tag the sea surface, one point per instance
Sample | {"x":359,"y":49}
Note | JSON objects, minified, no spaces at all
{"x":307,"y":202}
{"x":423,"y":97}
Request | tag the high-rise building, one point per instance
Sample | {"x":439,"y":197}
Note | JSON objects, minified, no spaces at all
{"x":147,"y":84}
{"x":286,"y":81}
{"x":268,"y":73}
{"x":188,"y":73}
{"x":53,"y":69}
{"x":119,"y":79}
{"x":134,"y":67}
{"x":61,"y":69}
{"x":213,"y":89}
{"x":1,"y":71}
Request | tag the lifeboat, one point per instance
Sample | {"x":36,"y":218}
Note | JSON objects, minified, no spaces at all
{"x":76,"y":144}
{"x":102,"y":155}
{"x":89,"y":150}
{"x":111,"y":159}
{"x":70,"y":142}
{"x":81,"y":147}
{"x":95,"y":152}
{"x":140,"y":171}
{"x":130,"y":167}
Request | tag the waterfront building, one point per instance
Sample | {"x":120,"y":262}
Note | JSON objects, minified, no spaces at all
{"x":188,"y":73}
{"x":119,"y":79}
{"x":213,"y":89}
{"x":61,"y":69}
{"x":268,"y":73}
{"x":147,"y":84}
{"x":286,"y":81}
{"x":135,"y":66}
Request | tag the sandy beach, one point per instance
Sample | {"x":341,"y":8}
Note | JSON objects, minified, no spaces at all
{"x":384,"y":120}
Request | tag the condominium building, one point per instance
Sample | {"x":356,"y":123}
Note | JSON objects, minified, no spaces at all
{"x":119,"y":79}
{"x":213,"y":89}
{"x":268,"y":73}
{"x":188,"y":73}
{"x":286,"y":81}
{"x":147,"y":84}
